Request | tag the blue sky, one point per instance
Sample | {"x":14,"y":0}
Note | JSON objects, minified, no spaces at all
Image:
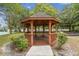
{"x":30,"y":6}
{"x":59,"y":6}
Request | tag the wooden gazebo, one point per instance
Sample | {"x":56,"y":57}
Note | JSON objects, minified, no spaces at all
{"x":40,"y":21}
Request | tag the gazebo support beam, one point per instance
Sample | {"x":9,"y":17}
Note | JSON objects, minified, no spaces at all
{"x":31,"y":32}
{"x":50,"y":32}
{"x":35,"y":29}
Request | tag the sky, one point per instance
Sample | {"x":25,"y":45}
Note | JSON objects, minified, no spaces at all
{"x":59,"y":6}
{"x":30,"y":6}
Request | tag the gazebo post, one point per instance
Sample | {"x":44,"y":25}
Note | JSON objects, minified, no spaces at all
{"x":49,"y":32}
{"x":43,"y":29}
{"x":31,"y":32}
{"x":35,"y":29}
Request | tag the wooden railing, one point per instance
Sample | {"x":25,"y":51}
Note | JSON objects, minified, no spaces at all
{"x":40,"y":36}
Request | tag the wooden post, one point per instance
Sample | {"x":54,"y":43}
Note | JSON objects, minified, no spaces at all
{"x":50,"y":32}
{"x":35,"y":29}
{"x":43,"y":29}
{"x":31,"y":32}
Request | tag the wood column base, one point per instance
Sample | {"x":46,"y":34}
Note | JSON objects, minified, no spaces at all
{"x":50,"y":38}
{"x":31,"y":39}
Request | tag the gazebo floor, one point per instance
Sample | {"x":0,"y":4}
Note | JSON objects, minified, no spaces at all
{"x":41,"y":42}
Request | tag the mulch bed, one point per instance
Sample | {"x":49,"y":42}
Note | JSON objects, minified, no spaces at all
{"x":23,"y":53}
{"x":9,"y":51}
{"x":66,"y":50}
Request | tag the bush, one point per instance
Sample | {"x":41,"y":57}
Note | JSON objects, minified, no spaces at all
{"x":61,"y":39}
{"x":20,"y":42}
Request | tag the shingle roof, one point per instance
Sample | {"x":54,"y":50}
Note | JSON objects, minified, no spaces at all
{"x":40,"y":14}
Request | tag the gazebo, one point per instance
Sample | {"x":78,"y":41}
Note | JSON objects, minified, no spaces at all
{"x":38,"y":29}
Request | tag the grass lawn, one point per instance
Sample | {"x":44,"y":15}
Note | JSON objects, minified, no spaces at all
{"x":6,"y":38}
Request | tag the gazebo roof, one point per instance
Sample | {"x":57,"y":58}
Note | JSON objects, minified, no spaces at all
{"x":40,"y":14}
{"x":40,"y":17}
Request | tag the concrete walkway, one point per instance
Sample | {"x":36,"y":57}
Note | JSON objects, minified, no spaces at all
{"x":40,"y":51}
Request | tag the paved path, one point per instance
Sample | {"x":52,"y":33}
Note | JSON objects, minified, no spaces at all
{"x":40,"y":51}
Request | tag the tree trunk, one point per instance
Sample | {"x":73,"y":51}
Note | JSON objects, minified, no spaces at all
{"x":72,"y":28}
{"x":19,"y":29}
{"x":10,"y":30}
{"x":9,"y":25}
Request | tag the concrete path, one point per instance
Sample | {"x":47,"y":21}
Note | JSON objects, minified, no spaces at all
{"x":40,"y":51}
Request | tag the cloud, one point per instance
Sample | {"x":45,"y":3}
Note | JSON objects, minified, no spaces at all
{"x":65,"y":3}
{"x":29,"y":7}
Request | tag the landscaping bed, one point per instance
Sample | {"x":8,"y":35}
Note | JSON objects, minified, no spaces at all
{"x":6,"y":45}
{"x":70,"y":48}
{"x":9,"y":51}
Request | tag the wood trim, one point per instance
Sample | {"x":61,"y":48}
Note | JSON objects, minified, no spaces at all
{"x":40,"y":18}
{"x":50,"y":32}
{"x":31,"y":23}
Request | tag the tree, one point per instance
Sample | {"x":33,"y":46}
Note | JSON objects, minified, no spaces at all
{"x":47,"y":8}
{"x":69,"y":16}
{"x":14,"y":13}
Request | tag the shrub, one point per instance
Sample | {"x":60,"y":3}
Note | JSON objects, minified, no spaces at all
{"x":61,"y":39}
{"x":20,"y":42}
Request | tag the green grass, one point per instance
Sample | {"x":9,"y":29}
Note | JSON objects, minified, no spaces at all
{"x":6,"y":38}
